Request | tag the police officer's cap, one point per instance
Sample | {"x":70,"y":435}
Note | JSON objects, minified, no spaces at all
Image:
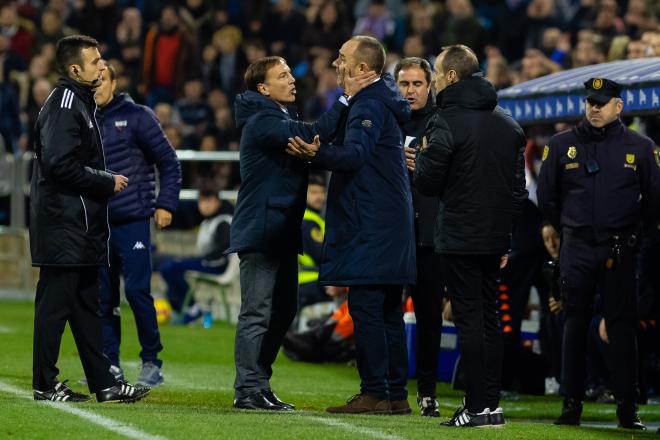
{"x":601,"y":90}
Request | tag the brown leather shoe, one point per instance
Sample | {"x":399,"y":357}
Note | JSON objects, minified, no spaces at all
{"x":400,"y":407}
{"x":362,"y":404}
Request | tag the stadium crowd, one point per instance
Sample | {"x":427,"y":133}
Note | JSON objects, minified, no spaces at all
{"x":186,"y":59}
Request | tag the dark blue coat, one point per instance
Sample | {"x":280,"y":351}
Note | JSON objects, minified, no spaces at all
{"x":370,"y":237}
{"x":272,"y":197}
{"x":135,"y":146}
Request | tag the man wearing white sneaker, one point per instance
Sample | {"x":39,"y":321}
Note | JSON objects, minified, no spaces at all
{"x":473,"y":160}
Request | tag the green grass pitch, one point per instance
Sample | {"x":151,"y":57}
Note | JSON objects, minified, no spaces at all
{"x":195,"y":402}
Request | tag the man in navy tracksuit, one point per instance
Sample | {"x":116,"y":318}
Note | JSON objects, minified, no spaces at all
{"x":134,"y":146}
{"x":370,"y":237}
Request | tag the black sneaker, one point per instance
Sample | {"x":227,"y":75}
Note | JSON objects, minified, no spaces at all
{"x":61,"y":393}
{"x":496,"y":417}
{"x":465,"y":419}
{"x":428,"y":406}
{"x":122,"y":392}
{"x":571,"y":412}
{"x":628,"y":417}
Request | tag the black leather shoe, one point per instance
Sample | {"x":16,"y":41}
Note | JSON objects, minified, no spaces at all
{"x":272,"y":398}
{"x":257,"y":401}
{"x":628,"y":417}
{"x":571,"y":413}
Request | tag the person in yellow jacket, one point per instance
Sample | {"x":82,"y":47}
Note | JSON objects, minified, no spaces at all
{"x":313,"y":231}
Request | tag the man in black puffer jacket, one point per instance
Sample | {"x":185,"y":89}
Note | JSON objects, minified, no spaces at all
{"x":474,"y":162}
{"x":69,"y":227}
{"x":134,"y":145}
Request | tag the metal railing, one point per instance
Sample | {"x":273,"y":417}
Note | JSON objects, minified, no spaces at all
{"x":17,"y":185}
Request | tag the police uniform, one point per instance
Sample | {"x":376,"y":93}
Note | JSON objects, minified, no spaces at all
{"x":596,"y":185}
{"x":313,"y":231}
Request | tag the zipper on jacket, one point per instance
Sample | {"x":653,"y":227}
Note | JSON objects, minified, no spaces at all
{"x":85,"y":212}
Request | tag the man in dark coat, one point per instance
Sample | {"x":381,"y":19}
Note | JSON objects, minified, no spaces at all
{"x":413,"y":76}
{"x":266,"y":229}
{"x":69,"y":227}
{"x":598,"y":182}
{"x":369,"y":242}
{"x":474,"y":162}
{"x":135,"y":146}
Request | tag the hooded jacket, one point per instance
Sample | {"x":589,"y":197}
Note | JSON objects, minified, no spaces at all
{"x":474,"y":161}
{"x":135,"y":146}
{"x":273,"y":193}
{"x":70,"y":187}
{"x":369,"y":221}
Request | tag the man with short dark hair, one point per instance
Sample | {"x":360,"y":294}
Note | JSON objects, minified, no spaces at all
{"x":598,"y":182}
{"x":69,"y":227}
{"x":413,"y":76}
{"x":134,"y":145}
{"x":265,"y":231}
{"x":474,"y":161}
{"x":369,"y":242}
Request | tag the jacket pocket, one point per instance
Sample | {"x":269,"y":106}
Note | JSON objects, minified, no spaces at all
{"x":279,"y":212}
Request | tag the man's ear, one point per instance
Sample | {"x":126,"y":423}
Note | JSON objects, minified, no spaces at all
{"x":263,"y":89}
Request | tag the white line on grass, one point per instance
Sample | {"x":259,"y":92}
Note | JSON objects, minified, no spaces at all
{"x":352,"y":428}
{"x":7,"y":330}
{"x":105,"y":422}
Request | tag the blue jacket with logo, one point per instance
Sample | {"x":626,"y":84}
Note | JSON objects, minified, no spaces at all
{"x":135,"y":146}
{"x":370,"y":237}
{"x":272,"y":197}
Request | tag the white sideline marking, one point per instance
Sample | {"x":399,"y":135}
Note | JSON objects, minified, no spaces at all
{"x":352,"y":428}
{"x":7,"y":330}
{"x":105,"y":422}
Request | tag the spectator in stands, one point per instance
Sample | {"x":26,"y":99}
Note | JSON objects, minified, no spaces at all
{"x":127,"y":41}
{"x":327,"y":31}
{"x":376,"y":22}
{"x":134,"y":145}
{"x":50,"y":30}
{"x":98,"y":18}
{"x":462,"y":26}
{"x":17,"y":29}
{"x":284,"y":26}
{"x":167,"y":116}
{"x":169,"y":58}
{"x":194,"y":112}
{"x":40,"y":91}
{"x":228,"y":65}
{"x":212,"y":241}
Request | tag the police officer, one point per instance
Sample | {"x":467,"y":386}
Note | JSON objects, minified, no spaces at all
{"x":597,"y":182}
{"x":413,"y":76}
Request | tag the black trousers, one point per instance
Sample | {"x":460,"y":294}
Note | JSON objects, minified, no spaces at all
{"x":269,"y":300}
{"x":380,"y":340}
{"x":68,"y":295}
{"x":427,"y":298}
{"x":472,"y":287}
{"x":584,"y":268}
{"x":520,"y":274}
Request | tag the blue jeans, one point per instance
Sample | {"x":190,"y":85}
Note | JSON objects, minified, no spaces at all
{"x":130,"y":257}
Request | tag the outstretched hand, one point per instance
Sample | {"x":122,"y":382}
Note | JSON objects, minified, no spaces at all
{"x":301,"y":149}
